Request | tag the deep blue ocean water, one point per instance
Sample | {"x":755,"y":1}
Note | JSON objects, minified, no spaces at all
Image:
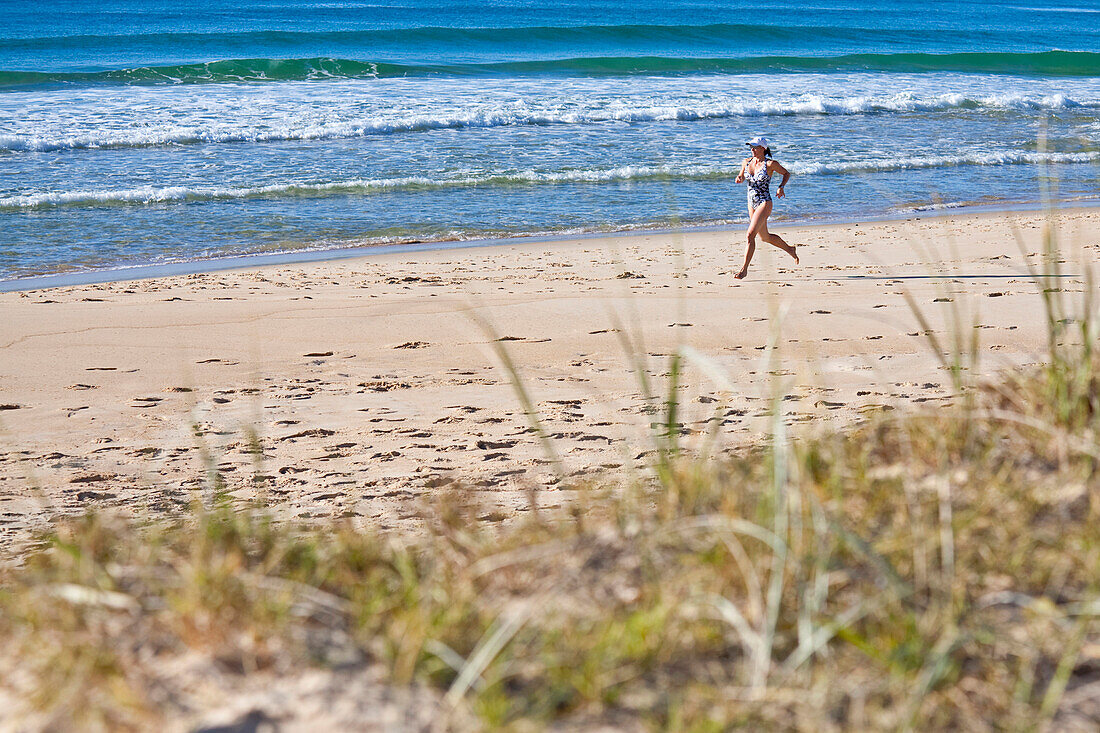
{"x":134,"y":132}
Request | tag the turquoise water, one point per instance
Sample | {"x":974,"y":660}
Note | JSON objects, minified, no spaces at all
{"x":137,"y":132}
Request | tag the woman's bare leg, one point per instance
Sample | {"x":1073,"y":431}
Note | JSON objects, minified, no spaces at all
{"x":759,"y":216}
{"x":748,"y":258}
{"x":777,"y":240}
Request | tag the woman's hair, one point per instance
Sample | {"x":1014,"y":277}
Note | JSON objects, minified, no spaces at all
{"x":767,"y":152}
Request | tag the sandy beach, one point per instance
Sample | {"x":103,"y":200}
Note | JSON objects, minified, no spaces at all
{"x":370,"y":382}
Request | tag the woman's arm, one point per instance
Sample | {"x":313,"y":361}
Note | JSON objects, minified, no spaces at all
{"x":777,"y":168}
{"x":741,"y":176}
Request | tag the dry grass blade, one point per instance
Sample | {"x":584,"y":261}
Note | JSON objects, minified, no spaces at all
{"x":497,"y":636}
{"x":520,"y":388}
{"x":825,"y":633}
{"x":1057,"y":687}
{"x":531,"y":553}
{"x":750,"y":639}
{"x":933,"y":671}
{"x":722,"y":523}
{"x":779,"y":502}
{"x":85,"y":596}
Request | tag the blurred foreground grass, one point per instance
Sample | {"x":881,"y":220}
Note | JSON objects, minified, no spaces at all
{"x":920,"y":571}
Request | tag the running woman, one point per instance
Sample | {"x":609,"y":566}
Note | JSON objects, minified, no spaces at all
{"x":757,"y":170}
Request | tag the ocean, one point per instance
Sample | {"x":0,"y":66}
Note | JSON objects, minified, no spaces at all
{"x":136,"y":133}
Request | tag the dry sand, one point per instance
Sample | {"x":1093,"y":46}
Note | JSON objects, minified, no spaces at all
{"x":369,"y":383}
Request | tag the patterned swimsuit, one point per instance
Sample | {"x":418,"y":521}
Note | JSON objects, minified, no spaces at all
{"x":758,"y":185}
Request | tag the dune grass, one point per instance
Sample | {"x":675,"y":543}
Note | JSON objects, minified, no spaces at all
{"x":919,"y":571}
{"x":922,"y":571}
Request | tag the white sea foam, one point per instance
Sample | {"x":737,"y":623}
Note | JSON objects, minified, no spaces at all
{"x":130,"y":128}
{"x":155,"y":195}
{"x":152,"y":194}
{"x":945,"y":161}
{"x":362,"y":186}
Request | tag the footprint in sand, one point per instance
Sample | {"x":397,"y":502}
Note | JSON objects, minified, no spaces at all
{"x":383,"y":385}
{"x":312,"y":433}
{"x":90,"y":478}
{"x":492,"y":445}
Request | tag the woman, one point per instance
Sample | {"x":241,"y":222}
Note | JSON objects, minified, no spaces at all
{"x":757,"y":171}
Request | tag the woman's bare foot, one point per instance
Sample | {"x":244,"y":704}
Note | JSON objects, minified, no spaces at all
{"x":794,"y":253}
{"x":741,"y":275}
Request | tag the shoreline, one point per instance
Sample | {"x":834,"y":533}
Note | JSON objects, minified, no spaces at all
{"x":333,"y":254}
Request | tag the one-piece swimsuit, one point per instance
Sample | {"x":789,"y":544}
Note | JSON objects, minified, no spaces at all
{"x":759,"y":182}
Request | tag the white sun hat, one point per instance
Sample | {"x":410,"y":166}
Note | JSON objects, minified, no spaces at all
{"x":760,"y":140}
